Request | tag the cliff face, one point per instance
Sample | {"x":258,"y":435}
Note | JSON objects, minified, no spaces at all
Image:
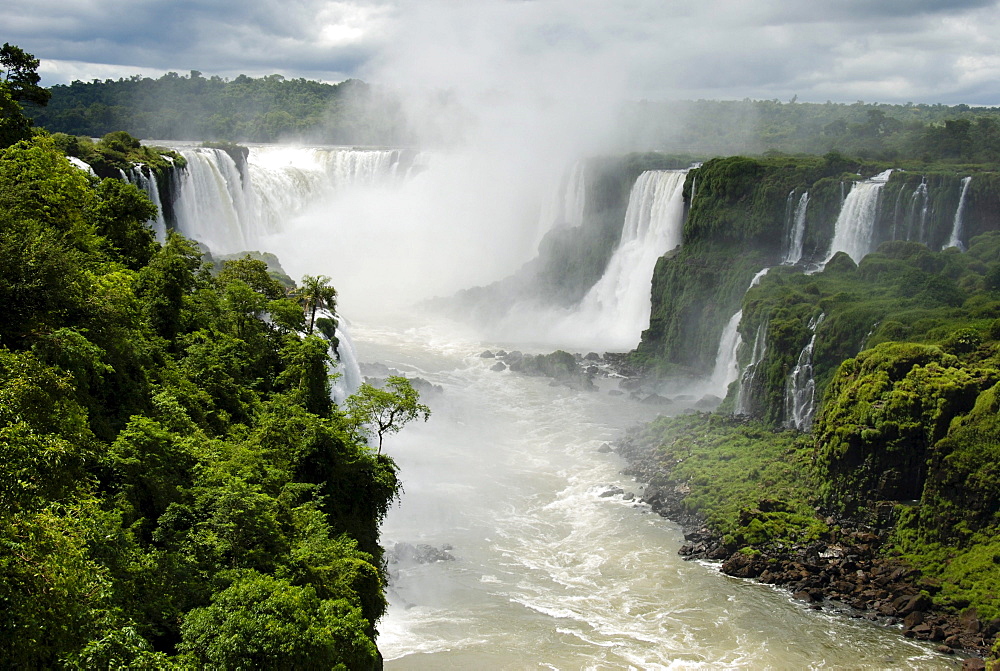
{"x":895,"y":354}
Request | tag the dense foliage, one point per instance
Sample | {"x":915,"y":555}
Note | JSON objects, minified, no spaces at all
{"x":195,"y":107}
{"x":176,"y":488}
{"x":921,"y":132}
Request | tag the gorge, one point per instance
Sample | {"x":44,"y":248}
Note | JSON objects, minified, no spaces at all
{"x":534,"y":563}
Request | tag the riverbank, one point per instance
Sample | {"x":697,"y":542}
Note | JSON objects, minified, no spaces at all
{"x":762,"y":534}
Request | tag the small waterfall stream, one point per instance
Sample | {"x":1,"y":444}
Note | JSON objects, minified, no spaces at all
{"x":956,"y":230}
{"x":800,"y":389}
{"x":796,"y":231}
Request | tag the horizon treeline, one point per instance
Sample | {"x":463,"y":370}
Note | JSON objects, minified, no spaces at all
{"x":273,"y":108}
{"x":194,"y":107}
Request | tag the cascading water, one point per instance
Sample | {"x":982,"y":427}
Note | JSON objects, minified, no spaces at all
{"x":744,"y":397}
{"x":230,"y":212}
{"x":346,"y":365}
{"x":616,"y":310}
{"x":547,"y":572}
{"x":800,"y":389}
{"x":147,"y":183}
{"x":919,"y":208}
{"x":955,"y":240}
{"x":797,"y":231}
{"x":855,"y":225}
{"x":565,"y":208}
{"x":727,"y":365}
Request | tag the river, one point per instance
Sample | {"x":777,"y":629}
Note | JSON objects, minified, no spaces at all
{"x":548,"y":574}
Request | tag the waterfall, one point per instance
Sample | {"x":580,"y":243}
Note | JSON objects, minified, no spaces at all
{"x":82,"y":165}
{"x":347,"y":366}
{"x":956,"y":229}
{"x":616,"y":310}
{"x":919,"y":204}
{"x":744,"y":398}
{"x":216,"y":205}
{"x":797,"y":230}
{"x":727,"y":367}
{"x":136,"y":175}
{"x":800,"y":389}
{"x":855,"y":225}
{"x":565,"y":207}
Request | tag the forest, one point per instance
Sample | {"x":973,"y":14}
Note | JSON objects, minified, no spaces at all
{"x":177,"y":488}
{"x":272,"y":108}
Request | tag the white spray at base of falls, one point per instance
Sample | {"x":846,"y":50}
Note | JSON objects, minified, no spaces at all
{"x":232,"y":210}
{"x":854,"y":230}
{"x":800,"y":389}
{"x":956,"y":230}
{"x":614,"y":313}
{"x":797,"y":231}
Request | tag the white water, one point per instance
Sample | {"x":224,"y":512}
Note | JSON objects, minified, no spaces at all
{"x":548,"y":573}
{"x":800,"y":389}
{"x":148,"y":185}
{"x":727,"y":365}
{"x":796,"y":235}
{"x":855,"y":225}
{"x":615,"y":311}
{"x":744,"y":397}
{"x":345,"y":366}
{"x":957,"y":226}
{"x":919,"y":208}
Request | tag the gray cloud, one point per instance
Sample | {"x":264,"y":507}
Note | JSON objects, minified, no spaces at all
{"x":845,"y":50}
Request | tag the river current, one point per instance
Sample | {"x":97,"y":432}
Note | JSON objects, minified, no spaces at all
{"x":547,"y":573}
{"x":506,"y":477}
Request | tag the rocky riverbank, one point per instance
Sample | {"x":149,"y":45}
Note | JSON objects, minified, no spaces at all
{"x":843,"y":571}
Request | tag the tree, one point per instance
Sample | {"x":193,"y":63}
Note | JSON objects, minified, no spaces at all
{"x":20,"y":76}
{"x":316,"y":292}
{"x":386,"y":410}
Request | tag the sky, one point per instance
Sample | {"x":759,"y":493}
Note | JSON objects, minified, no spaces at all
{"x":890,"y":51}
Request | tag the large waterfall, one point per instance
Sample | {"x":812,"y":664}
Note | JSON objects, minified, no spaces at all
{"x":231,"y":210}
{"x":616,"y":310}
{"x":853,"y":232}
{"x":147,"y":182}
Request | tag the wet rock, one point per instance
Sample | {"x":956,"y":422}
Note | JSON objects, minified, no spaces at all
{"x":592,"y":356}
{"x":487,"y":355}
{"x":499,"y":366}
{"x":973,"y":664}
{"x":628,"y":496}
{"x":611,"y":491}
{"x":419,"y":554}
{"x":604,"y":449}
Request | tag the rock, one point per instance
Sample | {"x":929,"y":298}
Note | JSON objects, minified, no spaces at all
{"x":628,"y":496}
{"x":611,"y":491}
{"x":592,"y":356}
{"x":499,"y":366}
{"x":604,"y":449}
{"x":743,"y":565}
{"x":973,"y":664}
{"x":945,"y":650}
{"x":419,"y":554}
{"x":487,"y":355}
{"x":656,"y":399}
{"x":913,"y":619}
